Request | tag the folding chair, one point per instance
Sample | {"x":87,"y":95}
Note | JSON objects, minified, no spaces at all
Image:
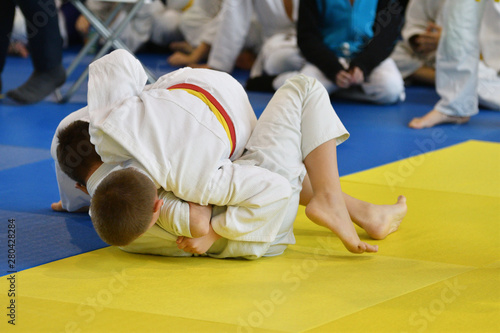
{"x":111,"y":38}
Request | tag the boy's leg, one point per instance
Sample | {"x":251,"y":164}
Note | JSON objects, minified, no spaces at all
{"x":327,"y":207}
{"x":377,"y":220}
{"x":299,"y":125}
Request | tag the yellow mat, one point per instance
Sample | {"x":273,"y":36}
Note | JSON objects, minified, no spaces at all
{"x":439,"y":273}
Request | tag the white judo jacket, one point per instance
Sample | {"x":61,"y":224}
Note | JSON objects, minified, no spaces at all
{"x":180,"y":143}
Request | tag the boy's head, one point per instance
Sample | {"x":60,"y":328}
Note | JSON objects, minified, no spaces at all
{"x":76,"y":155}
{"x":124,"y":206}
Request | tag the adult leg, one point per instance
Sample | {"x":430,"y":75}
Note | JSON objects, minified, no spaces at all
{"x":456,"y":65}
{"x":7,"y":12}
{"x":45,"y":44}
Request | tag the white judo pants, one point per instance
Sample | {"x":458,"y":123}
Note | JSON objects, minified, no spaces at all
{"x":298,"y":119}
{"x":457,"y":62}
{"x":384,"y":85}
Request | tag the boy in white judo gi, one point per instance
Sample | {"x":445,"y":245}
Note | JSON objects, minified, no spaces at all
{"x":298,"y":131}
{"x":415,"y":55}
{"x":184,"y":130}
{"x":277,"y":51}
{"x":457,"y":62}
{"x":260,"y":194}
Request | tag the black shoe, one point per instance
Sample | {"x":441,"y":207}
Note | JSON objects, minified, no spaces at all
{"x":262,"y":83}
{"x":38,"y":86}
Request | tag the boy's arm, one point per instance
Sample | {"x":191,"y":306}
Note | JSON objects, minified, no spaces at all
{"x":198,"y":245}
{"x":417,"y":18}
{"x":183,"y":218}
{"x":256,"y":201}
{"x":199,"y":219}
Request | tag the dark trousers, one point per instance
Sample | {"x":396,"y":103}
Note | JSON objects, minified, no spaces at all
{"x":42,"y":27}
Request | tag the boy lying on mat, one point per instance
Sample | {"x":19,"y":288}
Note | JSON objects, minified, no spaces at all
{"x":298,"y":131}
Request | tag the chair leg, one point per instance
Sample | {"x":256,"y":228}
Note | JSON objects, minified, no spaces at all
{"x":112,"y":40}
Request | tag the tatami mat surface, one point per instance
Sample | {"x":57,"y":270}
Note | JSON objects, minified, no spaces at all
{"x":439,"y":272}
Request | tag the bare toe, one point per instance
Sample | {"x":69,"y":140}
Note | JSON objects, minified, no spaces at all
{"x":57,"y":206}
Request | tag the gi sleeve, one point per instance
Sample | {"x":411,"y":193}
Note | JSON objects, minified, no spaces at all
{"x":174,"y":215}
{"x":416,"y":19}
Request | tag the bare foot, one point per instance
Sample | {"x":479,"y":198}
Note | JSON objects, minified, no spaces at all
{"x":386,"y":219}
{"x":434,"y":118}
{"x":57,"y":206}
{"x":328,"y":213}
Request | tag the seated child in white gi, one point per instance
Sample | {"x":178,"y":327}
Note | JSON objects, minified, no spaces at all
{"x":415,"y":55}
{"x":298,"y":131}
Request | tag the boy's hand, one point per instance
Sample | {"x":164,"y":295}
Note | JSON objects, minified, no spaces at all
{"x":428,"y":41}
{"x":357,"y":76}
{"x":197,"y":245}
{"x":180,"y":59}
{"x":343,"y":79}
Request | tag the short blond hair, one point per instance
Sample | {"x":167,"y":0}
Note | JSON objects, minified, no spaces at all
{"x":122,"y":206}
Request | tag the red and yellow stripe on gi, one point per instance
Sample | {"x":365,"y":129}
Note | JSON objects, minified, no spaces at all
{"x":214,"y":106}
